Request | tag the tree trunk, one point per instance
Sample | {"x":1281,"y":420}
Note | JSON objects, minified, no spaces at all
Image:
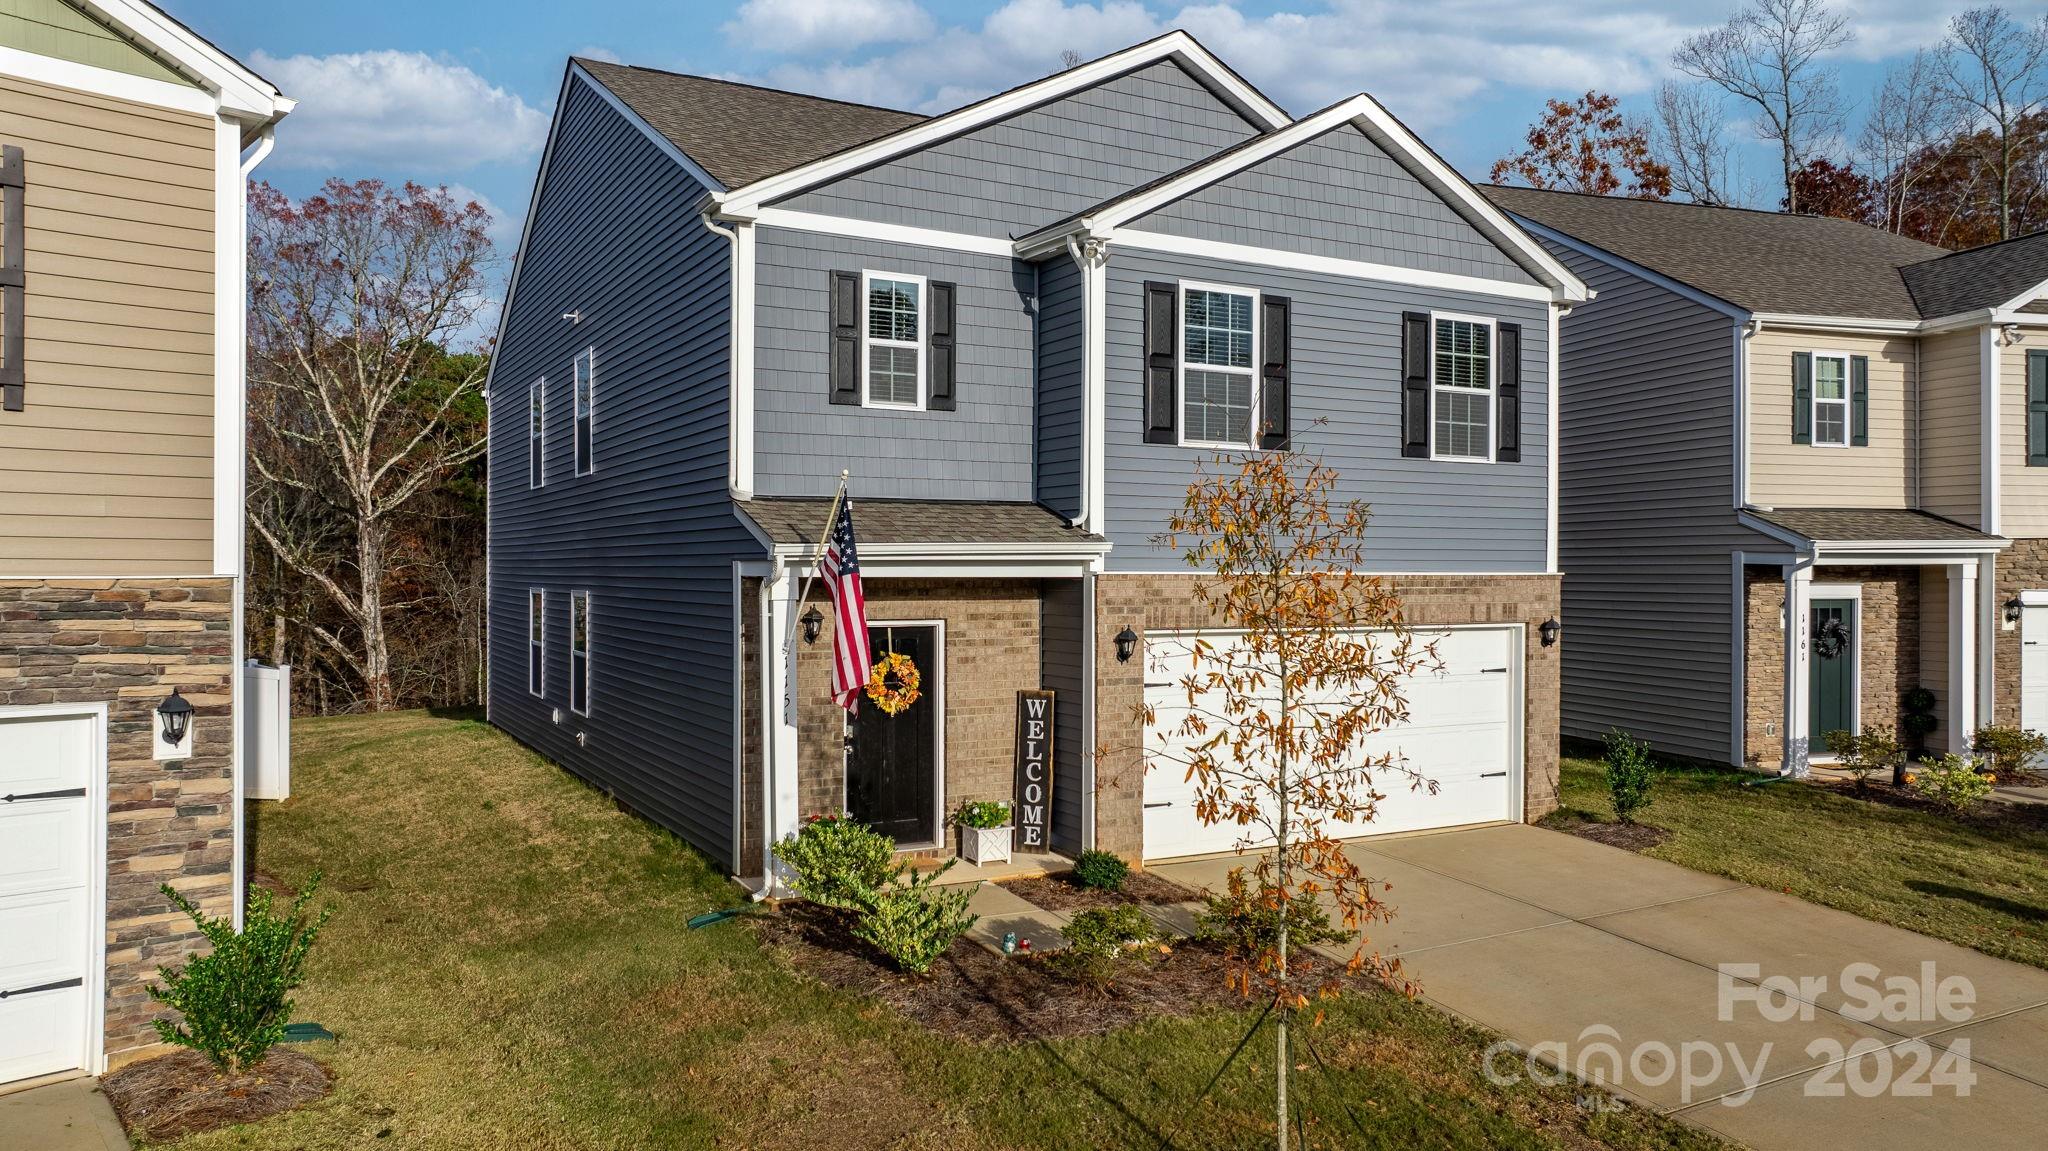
{"x":277,"y":639}
{"x":1286,"y":911}
{"x":376,"y":648}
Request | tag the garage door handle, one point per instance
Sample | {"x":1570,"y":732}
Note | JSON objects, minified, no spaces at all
{"x":61,"y":984}
{"x":1150,"y":806}
{"x":1494,"y":775}
{"x":1493,"y":671}
{"x":67,"y":793}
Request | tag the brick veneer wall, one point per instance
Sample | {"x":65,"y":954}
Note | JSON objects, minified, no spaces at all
{"x":2022,"y":567}
{"x":751,"y":757}
{"x":127,"y":643}
{"x":1888,"y":652}
{"x":1166,"y":602}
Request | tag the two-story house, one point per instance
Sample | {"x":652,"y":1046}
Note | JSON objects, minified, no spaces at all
{"x":125,"y":143}
{"x":1020,"y":326}
{"x":1805,"y":471}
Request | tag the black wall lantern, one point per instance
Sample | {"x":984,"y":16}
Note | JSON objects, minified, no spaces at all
{"x":812,"y":621}
{"x":1547,"y":631}
{"x":175,"y":714}
{"x":1126,"y":643}
{"x":2013,"y":608}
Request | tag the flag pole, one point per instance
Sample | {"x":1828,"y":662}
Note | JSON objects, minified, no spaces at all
{"x":831,"y":517}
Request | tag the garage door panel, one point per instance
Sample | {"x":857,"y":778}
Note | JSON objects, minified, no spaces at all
{"x":46,"y":938}
{"x":44,"y":754}
{"x":42,"y":846}
{"x":42,"y":1033}
{"x":46,"y":879}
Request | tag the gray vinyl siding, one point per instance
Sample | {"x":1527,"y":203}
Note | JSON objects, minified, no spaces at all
{"x":651,"y":534}
{"x":980,"y":451}
{"x":1062,"y":621}
{"x":1062,"y":350}
{"x":1647,"y":524}
{"x":1427,"y":515}
{"x":1339,"y":195}
{"x":1046,"y":163}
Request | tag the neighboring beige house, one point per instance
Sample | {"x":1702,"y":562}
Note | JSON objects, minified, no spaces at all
{"x":127,"y":139}
{"x":1797,"y":451}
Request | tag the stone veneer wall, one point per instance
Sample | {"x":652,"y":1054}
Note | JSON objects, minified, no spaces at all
{"x":1887,"y":645}
{"x":1166,"y":602}
{"x":2022,"y":567}
{"x":127,"y":643}
{"x":1763,"y":669}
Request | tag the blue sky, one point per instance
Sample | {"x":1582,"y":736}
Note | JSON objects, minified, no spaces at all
{"x":460,"y":93}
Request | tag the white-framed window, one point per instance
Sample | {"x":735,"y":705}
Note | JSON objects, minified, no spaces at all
{"x":1219,"y":395}
{"x":1461,"y":387}
{"x":537,"y":434}
{"x":536,"y":641}
{"x":586,"y":411}
{"x":579,"y":652}
{"x":1831,"y":399}
{"x":892,"y":339}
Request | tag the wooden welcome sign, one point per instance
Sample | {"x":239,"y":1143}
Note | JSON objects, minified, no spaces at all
{"x":1034,"y":770}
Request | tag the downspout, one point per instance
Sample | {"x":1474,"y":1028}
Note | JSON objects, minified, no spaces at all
{"x":264,"y":143}
{"x":1745,"y":333}
{"x":739,"y":421}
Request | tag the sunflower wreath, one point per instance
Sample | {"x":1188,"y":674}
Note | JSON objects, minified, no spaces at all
{"x":897,"y":667}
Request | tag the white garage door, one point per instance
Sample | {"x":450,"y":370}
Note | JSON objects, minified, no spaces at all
{"x":45,"y":896}
{"x":2034,"y":665}
{"x":1461,"y":733}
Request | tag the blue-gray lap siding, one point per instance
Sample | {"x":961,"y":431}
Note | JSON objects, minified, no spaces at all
{"x":651,"y":534}
{"x":1339,"y":195}
{"x":1427,"y":515}
{"x":1046,"y":163}
{"x":1062,"y":349}
{"x":980,"y":451}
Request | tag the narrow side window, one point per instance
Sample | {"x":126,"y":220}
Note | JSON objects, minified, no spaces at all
{"x":586,"y":410}
{"x":537,"y":434}
{"x":536,"y":641}
{"x":579,"y":652}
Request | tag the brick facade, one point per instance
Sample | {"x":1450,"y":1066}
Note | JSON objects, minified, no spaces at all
{"x":127,"y":643}
{"x":2022,"y":567}
{"x":1887,"y":646}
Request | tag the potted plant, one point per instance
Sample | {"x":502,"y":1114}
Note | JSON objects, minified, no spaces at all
{"x":984,"y":831}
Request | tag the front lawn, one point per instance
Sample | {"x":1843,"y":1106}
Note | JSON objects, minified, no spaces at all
{"x":1981,"y":881}
{"x":507,"y":967}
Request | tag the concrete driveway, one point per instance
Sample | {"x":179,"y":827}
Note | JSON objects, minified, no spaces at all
{"x":1593,"y":956}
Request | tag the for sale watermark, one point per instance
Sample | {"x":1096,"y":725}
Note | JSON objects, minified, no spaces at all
{"x":1730,"y":1072}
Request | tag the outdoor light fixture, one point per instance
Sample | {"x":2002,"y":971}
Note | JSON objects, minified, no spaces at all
{"x":175,"y":714}
{"x":1126,"y":643}
{"x":1548,"y":630}
{"x":812,"y":621}
{"x":2012,"y":609}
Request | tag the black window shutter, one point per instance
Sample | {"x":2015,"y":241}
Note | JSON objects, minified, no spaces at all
{"x":939,"y":372}
{"x":1415,"y":384}
{"x":845,"y":370}
{"x":1276,"y":336}
{"x":1802,"y":397}
{"x":1508,"y":394}
{"x":1859,"y":401}
{"x":13,"y":349}
{"x":1162,"y":359}
{"x":2037,"y":409}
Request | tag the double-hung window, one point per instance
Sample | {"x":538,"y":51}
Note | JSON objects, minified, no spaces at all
{"x":1461,"y":385}
{"x":536,"y":641}
{"x":579,"y":652}
{"x":1830,"y":400}
{"x":1219,"y":330}
{"x":586,"y":410}
{"x":537,"y":434}
{"x":892,"y":350}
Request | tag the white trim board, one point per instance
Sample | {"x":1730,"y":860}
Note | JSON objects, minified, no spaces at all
{"x":826,"y":225}
{"x":1324,"y":265}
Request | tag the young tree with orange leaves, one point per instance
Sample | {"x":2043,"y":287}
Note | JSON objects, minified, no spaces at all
{"x":1587,"y":145}
{"x":1276,"y":730}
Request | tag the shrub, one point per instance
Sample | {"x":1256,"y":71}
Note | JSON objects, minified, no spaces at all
{"x":983,"y":813}
{"x":1246,"y":921}
{"x":1630,"y":774}
{"x":1951,"y":783}
{"x":235,"y":1001}
{"x":1100,"y":937}
{"x":915,"y":922}
{"x":2011,"y":751}
{"x":839,"y":863}
{"x":1101,"y":870}
{"x":1874,"y":749}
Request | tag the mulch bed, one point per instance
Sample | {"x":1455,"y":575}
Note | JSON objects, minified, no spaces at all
{"x":1627,"y":836}
{"x":1063,"y":893}
{"x":975,"y":995}
{"x":179,"y":1094}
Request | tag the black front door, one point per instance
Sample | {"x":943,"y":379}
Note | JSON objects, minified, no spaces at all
{"x":892,"y":760}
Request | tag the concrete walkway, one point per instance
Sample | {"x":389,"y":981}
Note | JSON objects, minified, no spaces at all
{"x":70,"y":1115}
{"x":1551,"y":939}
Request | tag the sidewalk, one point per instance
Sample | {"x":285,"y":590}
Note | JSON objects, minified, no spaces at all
{"x":68,"y":1116}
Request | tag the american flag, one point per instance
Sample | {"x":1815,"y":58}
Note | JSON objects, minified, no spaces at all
{"x":840,"y":568}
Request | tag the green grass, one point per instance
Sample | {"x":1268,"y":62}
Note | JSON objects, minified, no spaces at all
{"x":1981,"y":881}
{"x":507,"y":967}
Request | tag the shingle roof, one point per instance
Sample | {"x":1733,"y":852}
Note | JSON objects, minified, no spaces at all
{"x":740,"y":133}
{"x":1759,"y":261}
{"x":802,"y":520}
{"x":1871,"y":525}
{"x":1983,"y":277}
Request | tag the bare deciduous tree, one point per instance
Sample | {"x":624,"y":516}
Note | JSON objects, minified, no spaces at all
{"x":1692,"y":142}
{"x":1991,"y":66}
{"x":1909,"y":119}
{"x":1772,"y":55}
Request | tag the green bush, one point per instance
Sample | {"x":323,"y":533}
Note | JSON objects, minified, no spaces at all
{"x":1874,"y":749}
{"x":235,"y":1001}
{"x":1246,"y":920}
{"x":1630,"y":774}
{"x":983,"y":813}
{"x":2011,"y":751}
{"x":839,"y":863}
{"x":1916,"y":714}
{"x":915,"y":922}
{"x":1951,"y":783}
{"x":1097,"y":939}
{"x":1101,"y":870}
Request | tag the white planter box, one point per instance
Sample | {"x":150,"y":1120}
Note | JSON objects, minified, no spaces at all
{"x":985,"y":844}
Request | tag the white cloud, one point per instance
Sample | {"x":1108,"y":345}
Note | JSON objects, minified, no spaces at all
{"x":804,"y":27}
{"x":391,"y":109}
